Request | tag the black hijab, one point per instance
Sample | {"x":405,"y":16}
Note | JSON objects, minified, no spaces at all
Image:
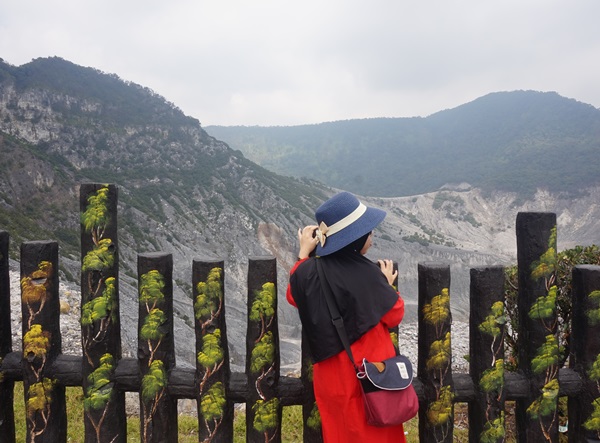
{"x":360,"y":289}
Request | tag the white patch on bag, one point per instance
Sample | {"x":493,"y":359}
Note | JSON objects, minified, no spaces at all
{"x":402,"y":368}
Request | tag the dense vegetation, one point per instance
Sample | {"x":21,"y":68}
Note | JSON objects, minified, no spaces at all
{"x":512,"y":141}
{"x":123,"y":103}
{"x":32,"y":213}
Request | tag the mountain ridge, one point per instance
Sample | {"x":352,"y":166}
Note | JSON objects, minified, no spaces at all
{"x":513,"y":141}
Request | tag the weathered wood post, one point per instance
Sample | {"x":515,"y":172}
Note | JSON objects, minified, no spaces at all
{"x":156,"y":348}
{"x":7,"y":417}
{"x":312,"y":432}
{"x":537,"y":413}
{"x":215,"y":407}
{"x":584,"y":410}
{"x":435,"y":353}
{"x":263,"y":408}
{"x":486,"y":351}
{"x":104,"y":405}
{"x":44,"y":397}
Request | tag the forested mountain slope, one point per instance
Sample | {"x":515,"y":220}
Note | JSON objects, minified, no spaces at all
{"x":507,"y":141}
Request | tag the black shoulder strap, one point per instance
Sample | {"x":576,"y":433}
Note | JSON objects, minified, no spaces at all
{"x":336,"y":318}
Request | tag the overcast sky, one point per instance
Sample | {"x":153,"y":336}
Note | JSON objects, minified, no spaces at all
{"x":276,"y":62}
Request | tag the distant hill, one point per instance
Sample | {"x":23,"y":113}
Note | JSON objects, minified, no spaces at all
{"x":507,"y":141}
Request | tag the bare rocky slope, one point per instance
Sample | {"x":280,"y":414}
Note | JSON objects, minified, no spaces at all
{"x":464,"y":228}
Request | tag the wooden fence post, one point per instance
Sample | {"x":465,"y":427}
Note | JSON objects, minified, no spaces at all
{"x":486,"y":351}
{"x":44,"y":397}
{"x":7,"y":417}
{"x":104,"y":406}
{"x":537,"y":413}
{"x":156,"y":348}
{"x":215,"y":407}
{"x":263,"y":407}
{"x":435,"y":353}
{"x":584,"y":410}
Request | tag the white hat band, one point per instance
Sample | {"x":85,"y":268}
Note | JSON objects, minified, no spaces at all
{"x":325,"y":231}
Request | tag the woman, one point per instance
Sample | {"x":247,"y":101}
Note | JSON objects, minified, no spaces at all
{"x":367,"y":302}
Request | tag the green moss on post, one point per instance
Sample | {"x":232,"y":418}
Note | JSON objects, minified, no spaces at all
{"x":104,"y":405}
{"x":538,"y":345}
{"x":215,"y":408}
{"x":486,"y":350}
{"x":44,"y":397}
{"x":156,"y":348}
{"x":263,"y":409}
{"x":435,"y":353}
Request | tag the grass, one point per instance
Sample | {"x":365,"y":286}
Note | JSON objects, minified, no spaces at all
{"x":291,"y":430}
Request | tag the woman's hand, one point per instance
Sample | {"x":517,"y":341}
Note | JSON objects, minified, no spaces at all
{"x":308,"y":242}
{"x":387,"y":268}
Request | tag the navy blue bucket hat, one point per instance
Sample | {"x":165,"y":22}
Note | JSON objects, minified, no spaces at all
{"x":343,"y":219}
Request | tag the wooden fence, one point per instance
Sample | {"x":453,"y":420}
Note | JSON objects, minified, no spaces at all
{"x":105,"y":375}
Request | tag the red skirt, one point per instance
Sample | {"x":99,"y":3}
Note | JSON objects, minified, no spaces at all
{"x":338,"y":393}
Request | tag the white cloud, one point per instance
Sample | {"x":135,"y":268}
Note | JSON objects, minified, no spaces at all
{"x":273,"y":63}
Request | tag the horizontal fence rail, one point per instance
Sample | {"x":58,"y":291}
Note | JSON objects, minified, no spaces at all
{"x":105,"y":375}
